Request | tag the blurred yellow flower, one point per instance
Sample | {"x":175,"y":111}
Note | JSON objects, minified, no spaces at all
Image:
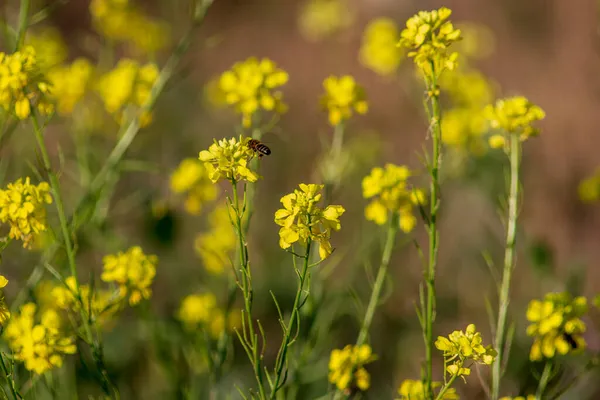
{"x":528,"y":397}
{"x":69,"y":84}
{"x":251,"y":86}
{"x":460,"y":347}
{"x":413,"y":390}
{"x":191,"y":178}
{"x":589,"y":188}
{"x":133,"y":271}
{"x":4,"y":311}
{"x":379,"y":50}
{"x":40,"y":345}
{"x":97,"y":303}
{"x":346,"y":367}
{"x":201,"y":311}
{"x":216,"y":246}
{"x":342,"y":97}
{"x":515,"y":115}
{"x":321,"y":18}
{"x":49,"y":46}
{"x":302,"y":219}
{"x":22,"y":206}
{"x":228,"y":159}
{"x":477,"y":40}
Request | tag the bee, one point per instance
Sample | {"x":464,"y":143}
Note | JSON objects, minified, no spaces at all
{"x":259,"y":148}
{"x":572,"y":342}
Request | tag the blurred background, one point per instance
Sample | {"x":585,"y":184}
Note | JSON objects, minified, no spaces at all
{"x":546,"y":50}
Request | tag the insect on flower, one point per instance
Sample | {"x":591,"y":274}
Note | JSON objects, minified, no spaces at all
{"x":259,"y":148}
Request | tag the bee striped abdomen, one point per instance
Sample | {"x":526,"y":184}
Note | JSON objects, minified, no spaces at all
{"x":259,"y":148}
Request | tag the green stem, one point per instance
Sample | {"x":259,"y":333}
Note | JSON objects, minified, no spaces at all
{"x":23,"y":17}
{"x":545,"y":378}
{"x":10,"y":379}
{"x":283,"y":350}
{"x":334,"y":156}
{"x":445,"y":388}
{"x":509,"y":261}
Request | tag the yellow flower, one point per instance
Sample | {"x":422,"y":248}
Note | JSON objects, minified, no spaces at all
{"x":528,"y":397}
{"x":477,"y":40}
{"x":302,"y":219}
{"x":321,"y":18}
{"x":97,"y":303}
{"x":427,"y":36}
{"x":201,"y":311}
{"x":251,"y":85}
{"x":556,"y":325}
{"x":391,"y":193}
{"x":215,"y":246}
{"x":413,"y":390}
{"x":22,"y":207}
{"x":515,"y":115}
{"x":346,"y":367}
{"x":69,"y":84}
{"x":21,"y":84}
{"x":342,"y":98}
{"x":379,"y":51}
{"x":49,"y":47}
{"x":589,"y":188}
{"x":4,"y":311}
{"x":228,"y":159}
{"x":133,"y":271}
{"x":40,"y":345}
{"x":191,"y":178}
{"x":460,"y":347}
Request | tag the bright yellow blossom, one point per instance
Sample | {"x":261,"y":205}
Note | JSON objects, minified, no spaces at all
{"x":22,"y":206}
{"x":413,"y":390}
{"x":321,"y":18}
{"x":342,"y":97}
{"x":69,"y":84}
{"x":133,"y":271}
{"x":346,"y":367}
{"x":556,"y":325}
{"x":4,"y":312}
{"x":302,"y":219}
{"x":228,"y":159}
{"x":589,"y":188}
{"x":191,"y":178}
{"x":379,"y":51}
{"x":515,"y":115}
{"x":201,"y":311}
{"x":40,"y":345}
{"x":391,"y":195}
{"x":216,"y":246}
{"x":97,"y":302}
{"x":50,"y":48}
{"x":252,"y":85}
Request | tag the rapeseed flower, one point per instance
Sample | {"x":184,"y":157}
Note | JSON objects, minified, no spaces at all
{"x":346,"y":367}
{"x":49,"y":46}
{"x":514,"y":116}
{"x":391,"y":194}
{"x":191,"y":178}
{"x":379,"y":50}
{"x":70,"y":83}
{"x":427,"y":36}
{"x":589,"y":188}
{"x":556,"y":325}
{"x":215,"y":246}
{"x":342,"y":97}
{"x":301,"y":219}
{"x":321,"y":18}
{"x":252,"y":85}
{"x":133,"y":271}
{"x":201,"y":311}
{"x":413,"y":390}
{"x":40,"y":344}
{"x":97,"y":303}
{"x":228,"y":159}
{"x":460,"y":347}
{"x":4,"y":311}
{"x":22,"y":207}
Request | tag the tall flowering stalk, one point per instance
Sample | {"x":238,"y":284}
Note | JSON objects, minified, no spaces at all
{"x":513,"y":117}
{"x":428,"y":36}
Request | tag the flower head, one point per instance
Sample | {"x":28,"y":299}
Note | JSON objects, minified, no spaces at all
{"x":215,"y":246}
{"x":379,"y":50}
{"x":191,"y":178}
{"x":391,"y":194}
{"x":556,"y":325}
{"x":4,"y":311}
{"x":69,"y":84}
{"x":321,"y":18}
{"x":427,"y":36}
{"x":50,"y":48}
{"x":252,"y":85}
{"x":589,"y":188}
{"x":22,"y":207}
{"x":413,"y":390}
{"x":201,"y":311}
{"x":133,"y":271}
{"x":346,"y":367}
{"x":342,"y":98}
{"x":460,"y":347}
{"x":228,"y":159}
{"x":301,"y":219}
{"x":99,"y":304}
{"x":39,"y":343}
{"x":515,"y":115}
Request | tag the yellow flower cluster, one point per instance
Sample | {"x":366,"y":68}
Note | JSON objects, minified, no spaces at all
{"x":391,"y":194}
{"x":120,"y":21}
{"x":346,"y":367}
{"x":514,"y":115}
{"x":342,"y":96}
{"x":460,"y":347}
{"x":215,"y":246}
{"x":379,"y":50}
{"x":589,"y":188}
{"x":413,"y":390}
{"x":129,"y":83}
{"x":201,"y":311}
{"x":133,"y":271}
{"x":528,"y":397}
{"x":427,"y":36}
{"x":50,"y":49}
{"x":321,"y":18}
{"x":228,"y":159}
{"x":302,"y":219}
{"x":70,"y":83}
{"x":556,"y":325}
{"x":98,"y":304}
{"x":21,"y":84}
{"x":4,"y":312}
{"x":41,"y":346}
{"x":191,"y":178}
{"x":22,"y":207}
{"x":251,"y":85}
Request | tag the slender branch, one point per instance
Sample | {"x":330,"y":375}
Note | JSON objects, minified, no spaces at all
{"x":23,"y":23}
{"x":445,"y":388}
{"x":10,"y":379}
{"x":545,"y":378}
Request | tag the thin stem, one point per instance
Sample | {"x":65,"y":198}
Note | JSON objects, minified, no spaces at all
{"x":509,"y":264}
{"x":23,"y":23}
{"x":10,"y":379}
{"x":445,"y":388}
{"x":545,"y":378}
